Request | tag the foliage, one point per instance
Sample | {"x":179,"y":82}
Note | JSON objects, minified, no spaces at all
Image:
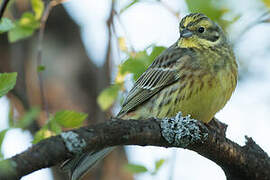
{"x":61,"y":119}
{"x":108,"y":96}
{"x":135,"y":64}
{"x":2,"y":135}
{"x":38,"y":7}
{"x":138,"y":169}
{"x":69,"y":119}
{"x":26,"y":25}
{"x":158,"y":165}
{"x":7,"y":82}
{"x":215,"y":10}
{"x":138,"y":62}
{"x":41,"y":68}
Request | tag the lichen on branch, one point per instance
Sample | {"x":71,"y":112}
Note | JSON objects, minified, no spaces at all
{"x":181,"y":131}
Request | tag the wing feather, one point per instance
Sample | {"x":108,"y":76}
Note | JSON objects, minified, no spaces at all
{"x":161,"y":73}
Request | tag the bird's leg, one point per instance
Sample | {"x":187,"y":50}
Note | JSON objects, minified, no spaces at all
{"x":218,"y":126}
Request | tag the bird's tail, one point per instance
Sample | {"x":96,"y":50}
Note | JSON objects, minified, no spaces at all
{"x":79,"y":165}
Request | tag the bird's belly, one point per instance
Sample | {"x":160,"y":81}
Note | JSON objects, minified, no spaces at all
{"x":202,"y":100}
{"x":202,"y":103}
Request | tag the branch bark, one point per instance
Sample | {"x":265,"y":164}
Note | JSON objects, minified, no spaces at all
{"x":3,"y":7}
{"x":238,"y":162}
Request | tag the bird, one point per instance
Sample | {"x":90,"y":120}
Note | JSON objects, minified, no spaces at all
{"x":195,"y":76}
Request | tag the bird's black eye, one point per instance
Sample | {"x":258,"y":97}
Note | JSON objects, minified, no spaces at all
{"x":201,"y":29}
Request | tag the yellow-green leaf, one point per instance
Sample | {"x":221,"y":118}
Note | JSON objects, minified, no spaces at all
{"x":108,"y":96}
{"x":267,"y":3}
{"x":157,"y":50}
{"x":41,"y":68}
{"x":43,"y":133}
{"x":158,"y":164}
{"x":69,"y":119}
{"x":7,"y":82}
{"x":19,"y":33}
{"x":28,"y":20}
{"x":38,"y":7}
{"x":213,"y":9}
{"x":24,"y":28}
{"x":136,"y":64}
{"x":136,"y":168}
{"x":6,"y":25}
{"x":122,"y":44}
{"x":2,"y":136}
{"x":55,"y":127}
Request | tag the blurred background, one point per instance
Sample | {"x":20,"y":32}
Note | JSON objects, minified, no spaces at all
{"x":92,"y":53}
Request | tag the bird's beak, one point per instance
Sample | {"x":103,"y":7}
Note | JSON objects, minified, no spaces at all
{"x":186,"y":33}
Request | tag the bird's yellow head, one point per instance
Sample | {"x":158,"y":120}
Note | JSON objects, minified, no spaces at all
{"x":198,"y":31}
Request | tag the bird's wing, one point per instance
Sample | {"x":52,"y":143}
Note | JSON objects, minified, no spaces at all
{"x":161,"y":73}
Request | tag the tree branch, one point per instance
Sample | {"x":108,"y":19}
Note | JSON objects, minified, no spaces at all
{"x":3,"y":8}
{"x":238,"y":162}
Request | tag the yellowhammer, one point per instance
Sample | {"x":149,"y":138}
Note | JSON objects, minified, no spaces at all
{"x":196,"y":76}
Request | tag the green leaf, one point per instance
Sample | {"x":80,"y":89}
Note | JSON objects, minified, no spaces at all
{"x":24,"y":28}
{"x":2,"y":136}
{"x":108,"y":96}
{"x":55,"y":127}
{"x":136,"y":64}
{"x":43,"y":133}
{"x":6,"y":25}
{"x":19,"y":33}
{"x":41,"y":68}
{"x":213,"y":9}
{"x":38,"y":7}
{"x":157,"y":50}
{"x":28,"y":118}
{"x":136,"y":168}
{"x":208,"y":7}
{"x":128,"y":6}
{"x":69,"y":119}
{"x":158,"y":165}
{"x":28,"y":20}
{"x":39,"y":136}
{"x":7,"y":82}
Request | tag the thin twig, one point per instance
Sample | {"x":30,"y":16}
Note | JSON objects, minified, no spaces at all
{"x":3,"y":8}
{"x":43,"y":21}
{"x":39,"y":55}
{"x":108,"y":52}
